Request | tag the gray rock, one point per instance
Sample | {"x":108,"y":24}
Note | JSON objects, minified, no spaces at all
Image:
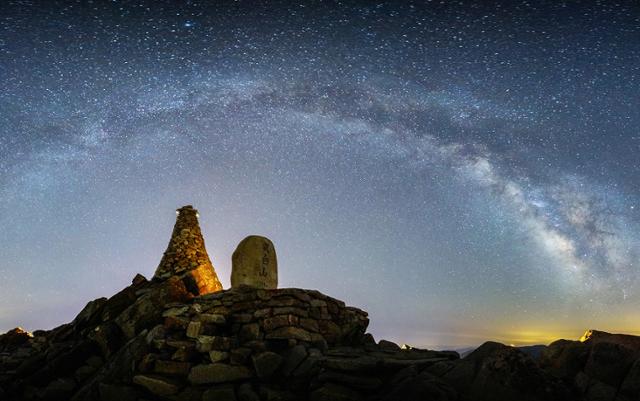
{"x":266,"y":364}
{"x":293,"y":332}
{"x":59,"y":389}
{"x":246,"y":393}
{"x":270,"y":394}
{"x":194,"y":329}
{"x":218,"y":373}
{"x":631,"y":385}
{"x":564,"y":358}
{"x":175,"y":311}
{"x":84,"y":372}
{"x":308,"y":367}
{"x":224,"y":393}
{"x":113,"y":392}
{"x":171,"y":368}
{"x":213,"y":318}
{"x":188,"y":394}
{"x":385,"y":345}
{"x":599,"y":391}
{"x":295,"y":357}
{"x":609,"y":362}
{"x":218,"y":356}
{"x":95,"y":361}
{"x":239,"y":356}
{"x":334,"y":392}
{"x":419,"y":388}
{"x":156,"y":385}
{"x":249,"y":332}
{"x":352,"y":381}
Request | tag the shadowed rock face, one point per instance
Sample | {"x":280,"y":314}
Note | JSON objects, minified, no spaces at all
{"x":186,"y":256}
{"x":625,"y":340}
{"x":155,"y":341}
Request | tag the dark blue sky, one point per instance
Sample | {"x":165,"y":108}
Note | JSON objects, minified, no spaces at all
{"x":462,"y":171}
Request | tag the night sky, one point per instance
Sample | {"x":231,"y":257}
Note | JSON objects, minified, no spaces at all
{"x":463,"y":172}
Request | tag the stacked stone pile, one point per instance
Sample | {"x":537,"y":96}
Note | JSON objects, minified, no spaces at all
{"x":243,"y":333}
{"x":186,"y":256}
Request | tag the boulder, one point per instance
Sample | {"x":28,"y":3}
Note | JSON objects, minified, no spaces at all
{"x":224,"y":393}
{"x":218,"y":373}
{"x":335,"y":392}
{"x":596,"y":336}
{"x":246,"y":393}
{"x":14,"y":338}
{"x":61,"y":388}
{"x":266,"y":363}
{"x":172,"y":368}
{"x":496,"y":372}
{"x":609,"y":363}
{"x":156,"y":385}
{"x":421,"y":387}
{"x":564,"y":358}
{"x":630,"y":386}
{"x":295,"y":357}
{"x":114,"y":392}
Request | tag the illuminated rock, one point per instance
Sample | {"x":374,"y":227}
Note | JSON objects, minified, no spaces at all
{"x":254,"y":264}
{"x":597,"y":336}
{"x":186,"y":256}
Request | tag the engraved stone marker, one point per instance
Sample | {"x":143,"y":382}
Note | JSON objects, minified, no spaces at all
{"x":254,"y":263}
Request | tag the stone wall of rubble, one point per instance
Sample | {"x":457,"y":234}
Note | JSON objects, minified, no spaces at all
{"x":240,"y":334}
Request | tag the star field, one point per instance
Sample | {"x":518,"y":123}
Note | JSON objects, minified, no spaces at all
{"x":463,"y":172}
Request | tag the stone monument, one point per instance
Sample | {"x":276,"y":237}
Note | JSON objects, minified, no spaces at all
{"x":254,"y":264}
{"x":186,"y":256}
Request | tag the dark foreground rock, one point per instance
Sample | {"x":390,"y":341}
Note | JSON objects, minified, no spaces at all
{"x":180,"y":337}
{"x":157,"y":341}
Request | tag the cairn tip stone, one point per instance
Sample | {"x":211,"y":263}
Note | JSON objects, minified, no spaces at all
{"x":254,"y":264}
{"x":186,"y":256}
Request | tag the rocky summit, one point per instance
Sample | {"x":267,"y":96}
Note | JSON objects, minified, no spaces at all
{"x":180,"y":336}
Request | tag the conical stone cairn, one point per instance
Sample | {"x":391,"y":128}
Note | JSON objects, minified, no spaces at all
{"x":186,"y":256}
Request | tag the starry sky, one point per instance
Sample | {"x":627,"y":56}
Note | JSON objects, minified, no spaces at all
{"x":462,"y":171}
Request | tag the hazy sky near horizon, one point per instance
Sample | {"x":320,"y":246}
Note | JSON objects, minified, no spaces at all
{"x":463,"y":172}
